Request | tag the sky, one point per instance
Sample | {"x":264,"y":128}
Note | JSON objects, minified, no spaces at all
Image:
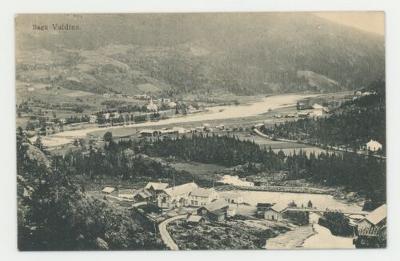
{"x":373,"y":22}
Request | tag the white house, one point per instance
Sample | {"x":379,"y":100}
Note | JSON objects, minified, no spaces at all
{"x":275,"y":212}
{"x":202,"y":196}
{"x":176,"y":196}
{"x":373,"y":145}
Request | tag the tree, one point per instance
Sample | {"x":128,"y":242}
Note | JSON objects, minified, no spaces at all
{"x":107,"y":136}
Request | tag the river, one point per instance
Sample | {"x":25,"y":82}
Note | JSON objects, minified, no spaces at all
{"x":213,"y":113}
{"x":320,"y":201}
{"x":323,"y":238}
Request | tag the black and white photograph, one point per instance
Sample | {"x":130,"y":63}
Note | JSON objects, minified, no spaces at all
{"x":200,"y":131}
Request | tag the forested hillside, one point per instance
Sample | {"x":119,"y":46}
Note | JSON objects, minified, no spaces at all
{"x":55,"y":214}
{"x":173,"y":54}
{"x":328,"y":169}
{"x":352,"y":125}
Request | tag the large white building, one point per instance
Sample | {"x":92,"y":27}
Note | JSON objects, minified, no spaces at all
{"x":202,"y":196}
{"x":176,"y":196}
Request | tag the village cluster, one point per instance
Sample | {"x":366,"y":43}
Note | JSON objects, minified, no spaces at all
{"x":45,"y":121}
{"x":199,"y":205}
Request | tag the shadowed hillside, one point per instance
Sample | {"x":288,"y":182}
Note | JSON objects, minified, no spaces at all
{"x":240,"y":53}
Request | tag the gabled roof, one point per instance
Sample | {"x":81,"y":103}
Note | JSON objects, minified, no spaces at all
{"x":216,"y":205}
{"x":156,"y":185}
{"x":377,"y":215}
{"x":181,"y":189}
{"x":202,"y":192}
{"x":279,"y":207}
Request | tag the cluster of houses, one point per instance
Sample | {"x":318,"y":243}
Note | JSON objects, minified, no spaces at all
{"x":208,"y":203}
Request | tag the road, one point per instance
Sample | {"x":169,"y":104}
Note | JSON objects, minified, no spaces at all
{"x":165,"y":236}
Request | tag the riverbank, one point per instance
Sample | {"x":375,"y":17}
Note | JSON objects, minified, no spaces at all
{"x":323,"y":239}
{"x":306,"y":190}
{"x":213,"y":113}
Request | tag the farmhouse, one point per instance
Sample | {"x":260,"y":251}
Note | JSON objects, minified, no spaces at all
{"x":275,"y":213}
{"x":176,"y":196}
{"x":373,"y":145}
{"x":202,"y":196}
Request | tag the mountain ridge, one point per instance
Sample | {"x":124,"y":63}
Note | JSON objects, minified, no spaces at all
{"x":241,"y":53}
